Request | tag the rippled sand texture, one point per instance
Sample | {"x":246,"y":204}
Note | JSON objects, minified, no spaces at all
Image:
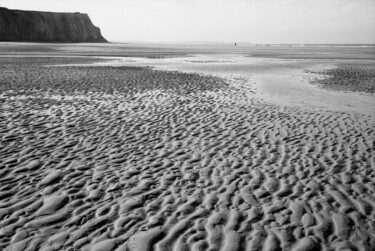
{"x":134,"y":159}
{"x":357,"y":77}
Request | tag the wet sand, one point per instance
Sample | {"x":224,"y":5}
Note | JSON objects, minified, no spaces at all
{"x":205,"y":154}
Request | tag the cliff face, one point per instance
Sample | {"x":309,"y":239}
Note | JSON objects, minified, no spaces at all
{"x":36,"y":26}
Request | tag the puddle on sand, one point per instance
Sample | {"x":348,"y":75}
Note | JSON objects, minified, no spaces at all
{"x":279,"y":81}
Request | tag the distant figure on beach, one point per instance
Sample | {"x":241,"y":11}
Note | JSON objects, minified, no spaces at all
{"x":235,"y":44}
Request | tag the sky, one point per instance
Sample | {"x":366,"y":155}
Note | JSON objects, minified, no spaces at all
{"x":252,"y":21}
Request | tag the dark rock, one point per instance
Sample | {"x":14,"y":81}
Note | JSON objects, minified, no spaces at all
{"x":37,"y":26}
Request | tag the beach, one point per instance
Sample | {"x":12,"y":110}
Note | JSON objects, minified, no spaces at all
{"x":134,"y":147}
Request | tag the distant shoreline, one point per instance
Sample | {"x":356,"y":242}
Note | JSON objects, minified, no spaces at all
{"x":364,"y":45}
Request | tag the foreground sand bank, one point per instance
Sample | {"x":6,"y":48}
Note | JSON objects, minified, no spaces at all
{"x":128,"y":158}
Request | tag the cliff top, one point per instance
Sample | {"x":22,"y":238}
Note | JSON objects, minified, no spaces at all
{"x":45,"y":26}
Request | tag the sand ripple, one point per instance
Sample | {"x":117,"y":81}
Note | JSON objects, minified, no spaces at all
{"x":171,"y":161}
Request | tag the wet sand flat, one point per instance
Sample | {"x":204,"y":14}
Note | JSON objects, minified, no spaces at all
{"x":103,"y":154}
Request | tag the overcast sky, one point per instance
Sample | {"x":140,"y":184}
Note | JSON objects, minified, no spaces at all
{"x":254,"y":21}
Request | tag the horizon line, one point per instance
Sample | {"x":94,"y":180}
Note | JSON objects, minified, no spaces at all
{"x":222,"y":42}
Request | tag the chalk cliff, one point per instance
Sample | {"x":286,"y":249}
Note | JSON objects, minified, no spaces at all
{"x":37,"y":26}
